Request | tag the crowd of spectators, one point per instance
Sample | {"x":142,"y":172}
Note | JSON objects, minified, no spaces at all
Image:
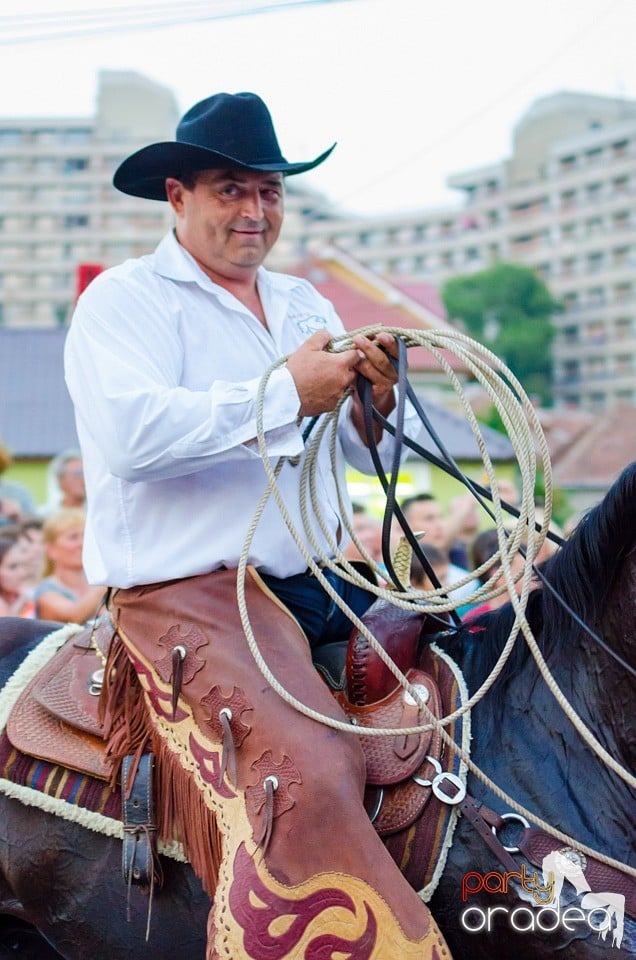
{"x":41,"y":571}
{"x":455,"y":542}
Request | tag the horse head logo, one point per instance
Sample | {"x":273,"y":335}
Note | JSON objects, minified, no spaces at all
{"x":569,"y":864}
{"x":309,"y":325}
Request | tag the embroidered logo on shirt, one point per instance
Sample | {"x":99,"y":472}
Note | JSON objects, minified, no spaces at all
{"x":309,"y":325}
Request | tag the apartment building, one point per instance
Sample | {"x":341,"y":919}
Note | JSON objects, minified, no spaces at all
{"x":563,"y":203}
{"x":58,"y":210}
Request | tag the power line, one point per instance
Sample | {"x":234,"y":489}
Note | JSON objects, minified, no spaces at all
{"x":63,"y":17}
{"x":70,"y":24}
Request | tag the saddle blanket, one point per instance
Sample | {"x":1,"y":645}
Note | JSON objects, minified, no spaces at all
{"x":51,"y":787}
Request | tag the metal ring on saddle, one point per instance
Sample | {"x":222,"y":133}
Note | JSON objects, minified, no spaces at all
{"x":443,"y":776}
{"x":519,"y":819}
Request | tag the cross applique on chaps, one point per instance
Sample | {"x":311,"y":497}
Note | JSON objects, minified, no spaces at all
{"x":267,"y":802}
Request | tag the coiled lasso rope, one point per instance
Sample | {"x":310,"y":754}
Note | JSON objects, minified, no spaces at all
{"x":525,"y":434}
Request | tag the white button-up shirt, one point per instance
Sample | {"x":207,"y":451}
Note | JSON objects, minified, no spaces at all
{"x":163,"y":367}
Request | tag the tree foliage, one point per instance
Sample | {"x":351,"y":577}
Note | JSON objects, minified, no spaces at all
{"x":509,"y":309}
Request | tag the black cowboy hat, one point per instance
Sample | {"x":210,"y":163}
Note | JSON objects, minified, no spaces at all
{"x":226,"y":129}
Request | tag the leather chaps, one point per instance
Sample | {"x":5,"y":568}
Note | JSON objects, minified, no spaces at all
{"x":267,"y":802}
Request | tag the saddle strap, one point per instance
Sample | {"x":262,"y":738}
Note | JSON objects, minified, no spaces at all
{"x":483,"y":820}
{"x":139,"y":854}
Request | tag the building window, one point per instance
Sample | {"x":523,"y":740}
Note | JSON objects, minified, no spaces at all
{"x":75,"y":196}
{"x":571,"y":371}
{"x":570,"y":301}
{"x":46,"y":135}
{"x":595,"y":296}
{"x":10,"y":137}
{"x":74,"y":220}
{"x":594,"y":155}
{"x":568,"y":231}
{"x":568,"y":199}
{"x":626,"y":396}
{"x":596,"y":368}
{"x":620,"y":185}
{"x":624,"y":363}
{"x":45,"y":165}
{"x":567,"y":267}
{"x":77,"y":135}
{"x":73,"y":164}
{"x":524,"y":240}
{"x":597,"y":402}
{"x":623,"y":327}
{"x":620,"y":256}
{"x":596,"y":334}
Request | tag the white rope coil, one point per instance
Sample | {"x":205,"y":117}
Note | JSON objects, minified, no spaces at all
{"x":526,"y":435}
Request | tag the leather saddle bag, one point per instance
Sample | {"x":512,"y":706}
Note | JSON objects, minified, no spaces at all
{"x":56,"y":717}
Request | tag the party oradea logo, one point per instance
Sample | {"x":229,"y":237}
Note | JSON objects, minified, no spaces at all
{"x":602,"y":911}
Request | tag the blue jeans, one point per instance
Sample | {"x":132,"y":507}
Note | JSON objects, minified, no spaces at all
{"x":320,"y":617}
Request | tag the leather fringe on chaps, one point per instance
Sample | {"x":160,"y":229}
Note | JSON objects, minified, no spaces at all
{"x":180,"y":809}
{"x":267,"y":803}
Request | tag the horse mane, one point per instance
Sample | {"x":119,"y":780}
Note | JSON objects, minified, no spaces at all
{"x":583,"y":573}
{"x":589,"y":564}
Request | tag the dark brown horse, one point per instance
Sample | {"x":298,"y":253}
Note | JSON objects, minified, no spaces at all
{"x":66,"y":882}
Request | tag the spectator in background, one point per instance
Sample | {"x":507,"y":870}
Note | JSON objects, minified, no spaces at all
{"x":31,"y":539}
{"x":368,"y":530}
{"x":65,"y":594}
{"x":486,"y":545}
{"x":66,"y":488}
{"x":462,"y":526}
{"x":423,"y":514}
{"x":16,"y":500}
{"x":15,"y":599}
{"x":419,"y":577}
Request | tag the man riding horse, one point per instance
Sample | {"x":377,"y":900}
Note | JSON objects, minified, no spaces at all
{"x":163,"y":362}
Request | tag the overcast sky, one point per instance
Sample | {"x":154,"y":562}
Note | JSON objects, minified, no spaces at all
{"x":412,"y":90}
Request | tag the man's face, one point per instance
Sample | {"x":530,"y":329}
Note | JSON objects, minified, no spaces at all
{"x":426,"y":515}
{"x":230,"y":220}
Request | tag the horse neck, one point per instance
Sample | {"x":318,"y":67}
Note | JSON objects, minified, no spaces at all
{"x":606,"y":688}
